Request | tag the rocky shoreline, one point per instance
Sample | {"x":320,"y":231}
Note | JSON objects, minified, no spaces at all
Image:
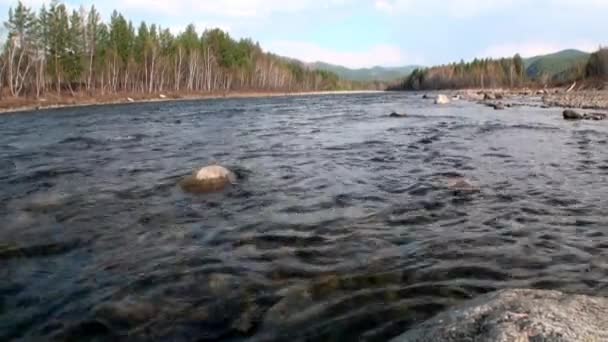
{"x":593,"y":99}
{"x":518,"y":316}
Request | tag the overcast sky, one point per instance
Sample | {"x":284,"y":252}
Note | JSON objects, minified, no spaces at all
{"x":362,"y":33}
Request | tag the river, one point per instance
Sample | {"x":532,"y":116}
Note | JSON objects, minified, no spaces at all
{"x":341,"y":225}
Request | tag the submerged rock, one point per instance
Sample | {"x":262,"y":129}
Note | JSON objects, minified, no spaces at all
{"x":518,"y":315}
{"x":127,"y":312}
{"x":461,"y":184}
{"x":442,"y":99}
{"x":499,"y":106}
{"x":208,"y":179}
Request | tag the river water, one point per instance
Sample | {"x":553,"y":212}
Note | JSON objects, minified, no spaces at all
{"x":341,"y":227}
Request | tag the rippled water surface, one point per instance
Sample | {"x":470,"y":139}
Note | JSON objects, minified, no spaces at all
{"x":341,"y":227}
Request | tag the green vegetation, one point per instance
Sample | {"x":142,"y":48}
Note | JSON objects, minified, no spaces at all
{"x":557,"y":66}
{"x":55,"y":51}
{"x":551,"y":70}
{"x":505,"y":72}
{"x":381,"y":74}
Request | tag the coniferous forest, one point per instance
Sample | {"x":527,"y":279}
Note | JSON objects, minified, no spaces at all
{"x":52,"y":51}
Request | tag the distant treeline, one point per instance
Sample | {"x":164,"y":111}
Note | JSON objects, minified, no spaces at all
{"x":501,"y":73}
{"x":481,"y":73}
{"x":52,"y":50}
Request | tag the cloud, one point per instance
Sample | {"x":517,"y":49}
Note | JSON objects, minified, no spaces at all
{"x":453,"y":8}
{"x":228,"y":8}
{"x":385,"y":55}
{"x":535,"y":48}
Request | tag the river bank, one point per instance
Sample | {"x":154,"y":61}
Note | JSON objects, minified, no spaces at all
{"x":14,"y":105}
{"x":551,"y":97}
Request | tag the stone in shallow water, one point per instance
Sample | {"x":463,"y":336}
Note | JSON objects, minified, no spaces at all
{"x":518,"y":315}
{"x":572,"y":115}
{"x":442,"y":99}
{"x":208,"y":179}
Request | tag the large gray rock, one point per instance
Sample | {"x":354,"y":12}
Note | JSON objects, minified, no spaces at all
{"x":518,"y":316}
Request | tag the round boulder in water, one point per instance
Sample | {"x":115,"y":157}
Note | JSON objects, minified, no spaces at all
{"x":442,"y":99}
{"x":208,"y":179}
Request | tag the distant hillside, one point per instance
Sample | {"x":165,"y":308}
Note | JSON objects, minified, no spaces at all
{"x":554,"y":64}
{"x":366,"y":74}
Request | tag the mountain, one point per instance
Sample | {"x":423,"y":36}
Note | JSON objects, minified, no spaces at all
{"x":366,"y":74}
{"x":555,"y":63}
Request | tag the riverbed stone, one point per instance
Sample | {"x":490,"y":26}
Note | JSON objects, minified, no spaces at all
{"x":461,"y":185}
{"x":208,"y":179}
{"x":518,"y":316}
{"x":442,"y":99}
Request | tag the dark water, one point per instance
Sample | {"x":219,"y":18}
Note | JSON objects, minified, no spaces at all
{"x":341,"y":226}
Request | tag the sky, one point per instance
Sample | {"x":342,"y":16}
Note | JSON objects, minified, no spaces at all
{"x":365,"y":33}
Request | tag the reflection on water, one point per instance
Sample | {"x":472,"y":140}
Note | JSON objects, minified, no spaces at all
{"x":343,"y":224}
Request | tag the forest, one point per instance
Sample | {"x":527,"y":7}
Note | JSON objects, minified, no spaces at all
{"x":480,"y":73}
{"x":51,"y":51}
{"x":504,"y":73}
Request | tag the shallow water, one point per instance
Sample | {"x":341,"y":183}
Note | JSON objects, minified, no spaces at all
{"x":341,"y":226}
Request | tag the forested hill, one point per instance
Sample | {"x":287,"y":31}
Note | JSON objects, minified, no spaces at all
{"x":377,"y":73}
{"x":52,"y":50}
{"x":550,"y":70}
{"x":555,"y":64}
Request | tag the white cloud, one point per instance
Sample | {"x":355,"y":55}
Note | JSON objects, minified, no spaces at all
{"x":454,"y":8}
{"x":385,"y":55}
{"x":228,"y":8}
{"x":535,"y":48}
